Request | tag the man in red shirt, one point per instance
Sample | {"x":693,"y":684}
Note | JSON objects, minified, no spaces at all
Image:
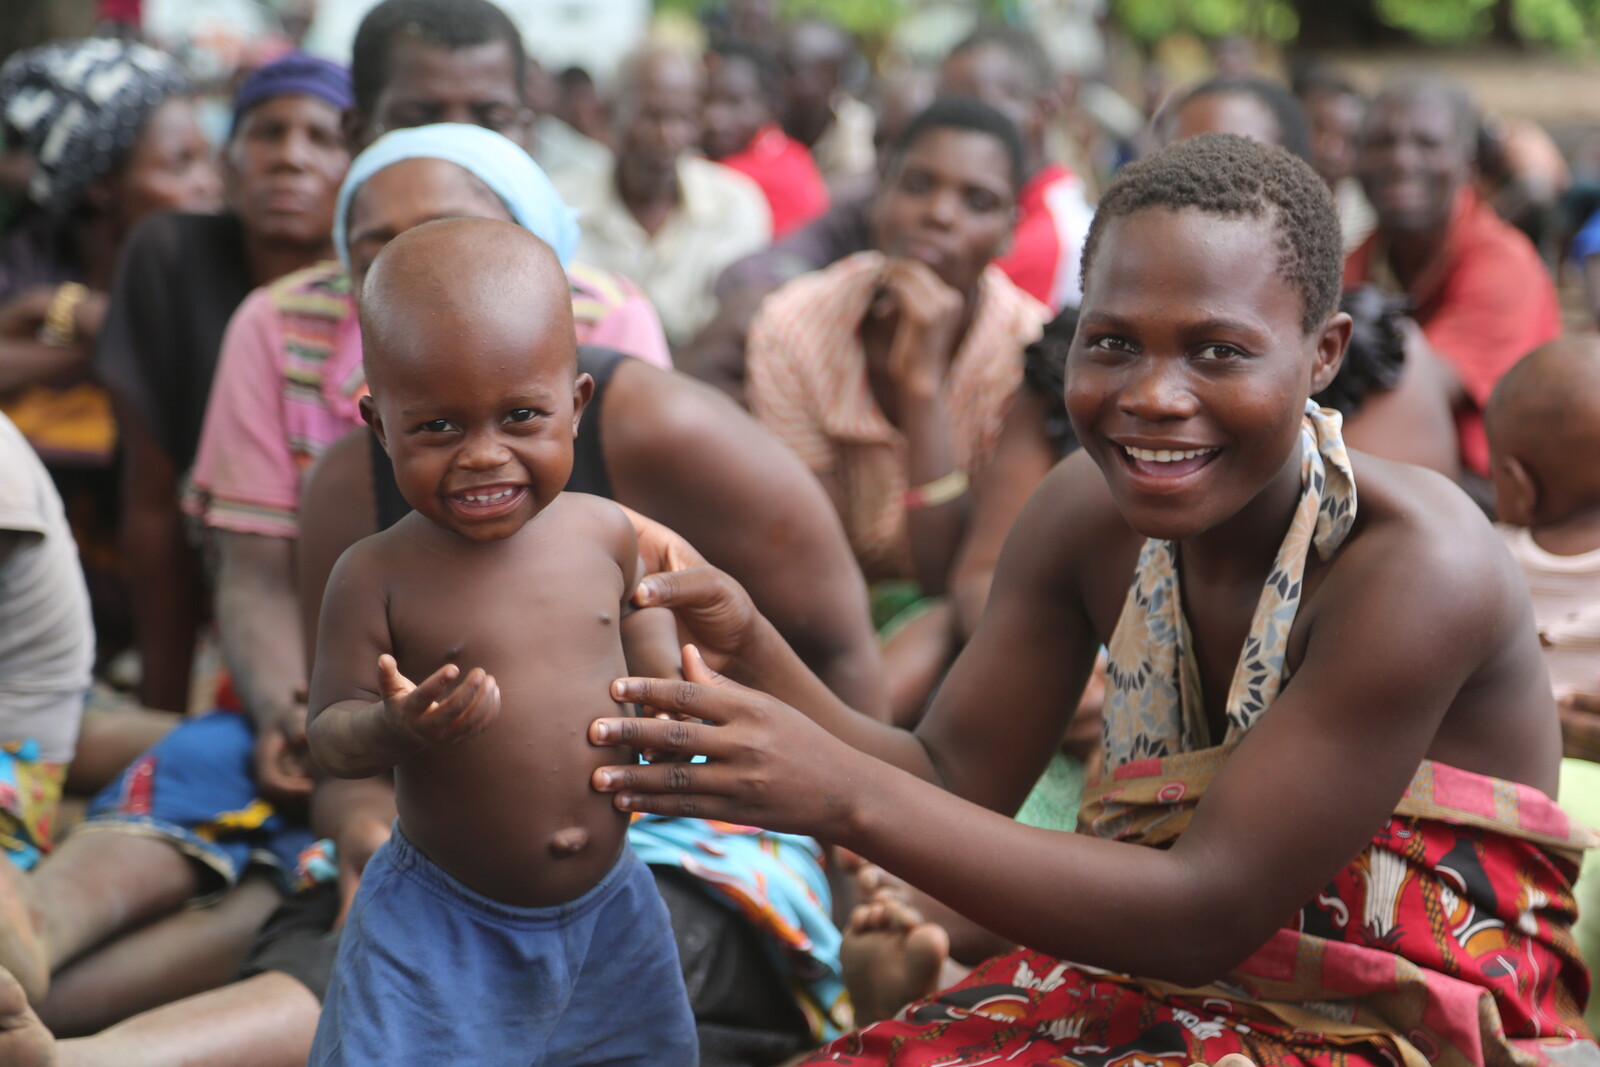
{"x":1008,"y":70}
{"x":1478,"y":288}
{"x":741,"y":131}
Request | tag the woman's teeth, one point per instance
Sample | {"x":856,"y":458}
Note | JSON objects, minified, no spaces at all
{"x":1150,"y":455}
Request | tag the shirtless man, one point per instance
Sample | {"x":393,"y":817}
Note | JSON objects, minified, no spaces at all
{"x":545,"y":908}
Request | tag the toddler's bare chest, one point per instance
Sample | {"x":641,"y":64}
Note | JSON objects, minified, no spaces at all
{"x":520,"y":620}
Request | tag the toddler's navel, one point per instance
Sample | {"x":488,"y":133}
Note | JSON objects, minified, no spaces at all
{"x":569,"y":842}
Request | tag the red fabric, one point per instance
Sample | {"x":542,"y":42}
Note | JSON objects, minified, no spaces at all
{"x":127,"y":12}
{"x":1044,"y":252}
{"x":1484,"y":303}
{"x":787,"y":174}
{"x":1446,"y":942}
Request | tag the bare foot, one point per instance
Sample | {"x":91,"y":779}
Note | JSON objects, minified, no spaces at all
{"x":20,"y":951}
{"x":890,"y":956}
{"x":24,"y":1041}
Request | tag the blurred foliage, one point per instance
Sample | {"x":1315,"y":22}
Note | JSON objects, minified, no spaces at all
{"x":868,"y":18}
{"x":1151,"y":20}
{"x":1565,"y":23}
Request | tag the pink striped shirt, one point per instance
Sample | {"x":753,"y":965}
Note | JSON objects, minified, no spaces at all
{"x":289,"y":382}
{"x":807,"y":382}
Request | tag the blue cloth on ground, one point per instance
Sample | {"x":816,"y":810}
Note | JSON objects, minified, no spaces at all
{"x":430,"y":971}
{"x":196,"y":788}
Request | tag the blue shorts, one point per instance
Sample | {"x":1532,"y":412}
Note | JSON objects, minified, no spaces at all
{"x":196,"y":788}
{"x":430,"y":971}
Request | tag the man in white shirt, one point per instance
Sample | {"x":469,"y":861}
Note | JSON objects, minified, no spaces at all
{"x":667,"y":219}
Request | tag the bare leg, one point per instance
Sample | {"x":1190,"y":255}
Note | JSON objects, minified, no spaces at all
{"x":112,"y":739}
{"x":265,"y":1021}
{"x":176,"y":956}
{"x":890,"y":956}
{"x":92,"y":886}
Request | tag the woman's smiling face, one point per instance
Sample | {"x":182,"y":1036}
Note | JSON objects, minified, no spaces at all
{"x":1190,"y":369}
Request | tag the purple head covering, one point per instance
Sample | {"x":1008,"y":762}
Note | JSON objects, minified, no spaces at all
{"x":295,"y":74}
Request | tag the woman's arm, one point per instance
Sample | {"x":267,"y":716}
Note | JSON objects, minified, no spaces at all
{"x":163,"y":571}
{"x":1023,"y":457}
{"x":689,"y":458}
{"x":927,"y":332}
{"x":24,"y":359}
{"x":1301,"y":795}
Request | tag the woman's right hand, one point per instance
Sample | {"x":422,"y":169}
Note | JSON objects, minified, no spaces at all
{"x":713,"y":610}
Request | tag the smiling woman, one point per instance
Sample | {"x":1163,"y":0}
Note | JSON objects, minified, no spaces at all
{"x":1294,"y":681}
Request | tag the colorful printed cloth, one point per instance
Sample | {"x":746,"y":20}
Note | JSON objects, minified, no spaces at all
{"x":1447,"y":941}
{"x":30,"y":792}
{"x":775,"y":881}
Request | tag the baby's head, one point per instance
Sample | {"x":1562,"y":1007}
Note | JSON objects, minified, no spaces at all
{"x":467,"y":332}
{"x":1543,"y":422}
{"x":1211,"y":279}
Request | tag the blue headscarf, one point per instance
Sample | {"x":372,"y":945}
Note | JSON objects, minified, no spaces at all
{"x":497,"y":162}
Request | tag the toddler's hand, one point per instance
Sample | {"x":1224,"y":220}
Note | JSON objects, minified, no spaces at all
{"x":445,"y":707}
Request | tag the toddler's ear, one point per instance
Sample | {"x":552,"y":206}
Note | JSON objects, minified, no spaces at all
{"x":369,"y":415}
{"x":1516,"y":494}
{"x":582,"y":393}
{"x":1331,"y":344}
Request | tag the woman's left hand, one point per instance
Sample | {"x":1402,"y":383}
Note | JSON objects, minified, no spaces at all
{"x":768,"y":765}
{"x":929,"y":322}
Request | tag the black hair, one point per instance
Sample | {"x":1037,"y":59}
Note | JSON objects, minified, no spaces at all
{"x":445,"y":23}
{"x":1294,"y":131}
{"x":1023,"y":47}
{"x":1235,"y":177}
{"x":1376,"y":357}
{"x":1322,"y":79}
{"x":963,"y":113}
{"x":764,"y":62}
{"x":1436,"y":87}
{"x":574,"y":78}
{"x":1044,"y":370}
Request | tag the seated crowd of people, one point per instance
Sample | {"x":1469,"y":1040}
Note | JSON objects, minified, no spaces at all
{"x":734,"y":574}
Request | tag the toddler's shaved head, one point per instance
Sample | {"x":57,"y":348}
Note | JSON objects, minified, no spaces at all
{"x":445,"y":287}
{"x":1545,"y":413}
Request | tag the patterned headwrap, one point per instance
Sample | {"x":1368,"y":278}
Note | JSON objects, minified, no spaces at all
{"x":79,"y":107}
{"x":294,"y":74}
{"x":500,"y":164}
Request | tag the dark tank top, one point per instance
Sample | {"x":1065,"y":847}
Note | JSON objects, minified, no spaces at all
{"x":588,"y":458}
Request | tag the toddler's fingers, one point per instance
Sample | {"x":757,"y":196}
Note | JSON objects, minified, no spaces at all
{"x":450,"y":700}
{"x":476,"y":713}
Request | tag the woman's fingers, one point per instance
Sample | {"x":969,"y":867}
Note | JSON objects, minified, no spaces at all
{"x":701,"y":694}
{"x":669,"y":736}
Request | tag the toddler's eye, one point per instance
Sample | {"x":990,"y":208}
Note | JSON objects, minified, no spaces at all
{"x":435,"y":426}
{"x":521,"y":414}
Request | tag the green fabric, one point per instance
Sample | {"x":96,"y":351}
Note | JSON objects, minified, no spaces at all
{"x":894,"y":603}
{"x":1053,"y":804}
{"x":1579,"y":796}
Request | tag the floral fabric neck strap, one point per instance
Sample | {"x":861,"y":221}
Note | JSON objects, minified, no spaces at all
{"x":1154,"y":705}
